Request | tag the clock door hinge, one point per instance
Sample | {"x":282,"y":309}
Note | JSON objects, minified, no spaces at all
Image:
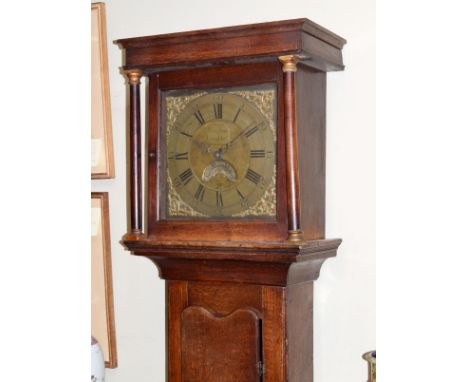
{"x":260,"y":368}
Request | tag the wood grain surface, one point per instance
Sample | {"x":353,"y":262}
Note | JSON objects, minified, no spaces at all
{"x":220,"y":348}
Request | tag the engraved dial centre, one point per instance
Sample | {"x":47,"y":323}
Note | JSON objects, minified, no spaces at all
{"x":219,"y":155}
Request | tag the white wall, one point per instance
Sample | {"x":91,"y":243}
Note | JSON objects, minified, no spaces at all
{"x":345,"y":291}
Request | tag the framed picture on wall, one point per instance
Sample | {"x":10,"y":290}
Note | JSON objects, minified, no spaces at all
{"x":102,"y":305}
{"x":102,"y":153}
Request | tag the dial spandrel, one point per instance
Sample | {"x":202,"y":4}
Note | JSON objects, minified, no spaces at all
{"x":221,"y":153}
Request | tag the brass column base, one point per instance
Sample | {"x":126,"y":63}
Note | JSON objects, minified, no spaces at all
{"x":295,"y":235}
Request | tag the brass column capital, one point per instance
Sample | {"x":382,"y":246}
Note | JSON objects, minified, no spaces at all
{"x":289,"y":62}
{"x":133,"y":76}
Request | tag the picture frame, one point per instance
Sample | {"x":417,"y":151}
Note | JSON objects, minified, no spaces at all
{"x":102,"y":152}
{"x":102,"y":300}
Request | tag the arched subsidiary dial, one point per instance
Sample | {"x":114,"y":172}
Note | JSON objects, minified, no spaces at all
{"x":221,"y":154}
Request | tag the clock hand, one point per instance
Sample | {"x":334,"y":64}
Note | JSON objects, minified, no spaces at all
{"x":226,"y":146}
{"x":207,"y":149}
{"x":217,"y":154}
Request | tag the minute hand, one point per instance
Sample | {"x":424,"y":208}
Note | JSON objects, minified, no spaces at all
{"x":248,"y":131}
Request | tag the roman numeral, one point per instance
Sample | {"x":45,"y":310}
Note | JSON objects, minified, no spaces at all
{"x":257,"y":153}
{"x":184,"y":133}
{"x":218,"y":110}
{"x":186,"y":176}
{"x":219,"y":199}
{"x":200,"y":193}
{"x":199,"y":117}
{"x":237,"y":114}
{"x":253,"y":176}
{"x":240,"y":194}
{"x":180,"y":156}
{"x":252,"y":130}
{"x":244,"y":202}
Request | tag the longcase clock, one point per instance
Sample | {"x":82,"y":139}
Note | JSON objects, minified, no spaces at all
{"x":235,"y":198}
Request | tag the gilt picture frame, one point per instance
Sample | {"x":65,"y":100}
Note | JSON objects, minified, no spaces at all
{"x":102,"y":301}
{"x":102,"y":152}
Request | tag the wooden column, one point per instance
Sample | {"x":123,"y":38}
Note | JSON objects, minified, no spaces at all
{"x":292,"y":174}
{"x":136,"y":220}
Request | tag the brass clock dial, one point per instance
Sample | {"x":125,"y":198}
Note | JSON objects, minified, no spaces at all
{"x":221,"y":155}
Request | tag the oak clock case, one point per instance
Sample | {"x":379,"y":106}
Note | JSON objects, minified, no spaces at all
{"x":235,"y":203}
